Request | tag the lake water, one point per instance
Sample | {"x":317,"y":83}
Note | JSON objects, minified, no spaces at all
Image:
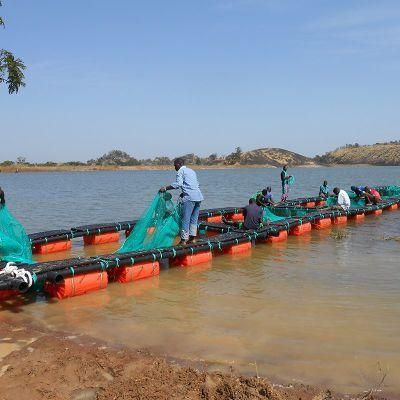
{"x":313,"y":309}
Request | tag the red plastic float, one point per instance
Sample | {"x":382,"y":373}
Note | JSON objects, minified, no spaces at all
{"x":283,"y":235}
{"x":6,"y":294}
{"x":237,"y":217}
{"x":323,"y":223}
{"x":101,"y":238}
{"x":238,"y":248}
{"x":77,"y":285}
{"x":193,"y":259}
{"x":301,"y":229}
{"x":135,"y":272}
{"x":340,"y":219}
{"x":216,"y":219}
{"x":54,"y":247}
{"x":357,"y":217}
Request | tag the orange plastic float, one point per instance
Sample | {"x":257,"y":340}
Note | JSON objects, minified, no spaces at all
{"x":374,"y":212}
{"x":238,"y":248}
{"x":6,"y":294}
{"x":216,"y":219}
{"x":340,"y":219}
{"x":193,"y":259}
{"x":101,"y":238}
{"x":77,"y":285}
{"x":310,"y":204}
{"x":237,"y":217}
{"x":357,"y":217}
{"x":301,"y":229}
{"x":392,"y":207}
{"x":323,"y":223}
{"x":54,"y":247}
{"x":283,"y":235}
{"x":135,"y":272}
{"x":320,"y":203}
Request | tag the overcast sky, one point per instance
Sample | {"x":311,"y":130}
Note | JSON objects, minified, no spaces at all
{"x":158,"y":77}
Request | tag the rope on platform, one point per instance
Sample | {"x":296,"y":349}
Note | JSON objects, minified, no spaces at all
{"x":13,"y":271}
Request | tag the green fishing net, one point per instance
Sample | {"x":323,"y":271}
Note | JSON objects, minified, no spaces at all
{"x":15,"y":245}
{"x":385,"y":191}
{"x":291,"y":180}
{"x":274,"y":214}
{"x":268,"y":215}
{"x":389,"y":191}
{"x":355,"y":201}
{"x":157,"y":228}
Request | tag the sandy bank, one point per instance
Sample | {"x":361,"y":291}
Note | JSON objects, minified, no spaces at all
{"x":37,"y":364}
{"x":61,"y":168}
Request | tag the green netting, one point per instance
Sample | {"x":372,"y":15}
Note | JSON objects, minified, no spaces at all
{"x":14,"y":242}
{"x":157,"y":228}
{"x":389,"y":191}
{"x":268,"y":215}
{"x":274,"y":214}
{"x":355,"y":201}
{"x":291,"y":180}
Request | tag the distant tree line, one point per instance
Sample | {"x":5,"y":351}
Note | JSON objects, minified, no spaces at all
{"x":122,"y":158}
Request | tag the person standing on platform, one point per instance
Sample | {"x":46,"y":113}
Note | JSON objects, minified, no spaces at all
{"x":285,"y":183}
{"x":2,"y":197}
{"x":186,"y":181}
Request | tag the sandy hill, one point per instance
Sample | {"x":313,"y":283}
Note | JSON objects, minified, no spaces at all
{"x":375,"y":154}
{"x":273,"y":157}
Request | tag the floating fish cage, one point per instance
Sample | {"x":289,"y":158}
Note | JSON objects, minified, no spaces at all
{"x":76,"y":276}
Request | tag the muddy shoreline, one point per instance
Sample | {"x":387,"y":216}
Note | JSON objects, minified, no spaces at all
{"x":38,"y":364}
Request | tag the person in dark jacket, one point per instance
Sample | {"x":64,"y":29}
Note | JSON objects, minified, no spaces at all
{"x":285,"y":183}
{"x":2,"y":197}
{"x":253,"y":217}
{"x":253,"y":214}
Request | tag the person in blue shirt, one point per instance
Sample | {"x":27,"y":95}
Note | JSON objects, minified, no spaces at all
{"x":324,"y":190}
{"x":359,"y":190}
{"x":266,"y":198}
{"x":186,"y":181}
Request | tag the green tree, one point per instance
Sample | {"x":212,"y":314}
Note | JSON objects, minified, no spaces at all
{"x":235,"y":157}
{"x":11,"y":68}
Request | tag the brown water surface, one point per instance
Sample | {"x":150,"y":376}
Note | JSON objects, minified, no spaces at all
{"x":313,"y":309}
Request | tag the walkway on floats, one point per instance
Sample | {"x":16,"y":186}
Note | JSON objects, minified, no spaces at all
{"x":71,"y":277}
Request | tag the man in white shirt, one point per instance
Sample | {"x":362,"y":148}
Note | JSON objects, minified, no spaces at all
{"x":343,"y":201}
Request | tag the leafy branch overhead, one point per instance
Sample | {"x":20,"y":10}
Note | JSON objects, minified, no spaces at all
{"x":11,"y":68}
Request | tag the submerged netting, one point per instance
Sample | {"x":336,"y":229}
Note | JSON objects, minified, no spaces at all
{"x":389,"y":191}
{"x":279,"y":213}
{"x":274,"y":214}
{"x":157,"y":227}
{"x":355,"y":201}
{"x":15,"y":245}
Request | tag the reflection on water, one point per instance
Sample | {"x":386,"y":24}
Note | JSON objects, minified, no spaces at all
{"x":313,"y":309}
